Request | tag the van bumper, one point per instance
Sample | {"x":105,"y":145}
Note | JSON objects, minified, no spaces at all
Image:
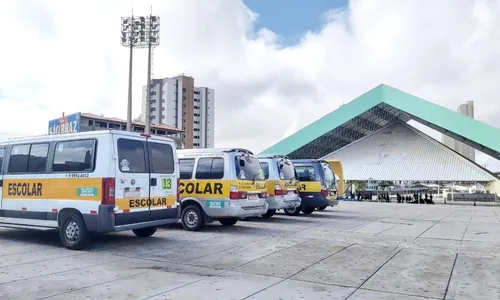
{"x":313,"y":200}
{"x":237,"y":211}
{"x":333,"y":202}
{"x":283,"y":202}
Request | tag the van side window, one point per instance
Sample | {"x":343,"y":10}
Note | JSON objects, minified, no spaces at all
{"x":132,"y":156}
{"x":265,"y":170}
{"x":305,"y":173}
{"x":37,"y":161}
{"x":28,"y":158}
{"x":162,"y":158}
{"x":2,"y":155}
{"x":210,"y":168}
{"x":74,"y":156}
{"x":186,"y":167}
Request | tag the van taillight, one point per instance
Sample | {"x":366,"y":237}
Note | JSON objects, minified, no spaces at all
{"x":278,"y":191}
{"x":108,"y":191}
{"x":324,"y":191}
{"x":234,"y":194}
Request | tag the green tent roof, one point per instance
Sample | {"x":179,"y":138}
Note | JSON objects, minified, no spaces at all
{"x":477,"y":134}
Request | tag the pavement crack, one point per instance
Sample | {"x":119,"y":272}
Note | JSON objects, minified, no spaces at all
{"x":451,"y":275}
{"x":373,"y":274}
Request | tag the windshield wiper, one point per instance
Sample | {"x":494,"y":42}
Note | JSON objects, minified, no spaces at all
{"x":253,"y":177}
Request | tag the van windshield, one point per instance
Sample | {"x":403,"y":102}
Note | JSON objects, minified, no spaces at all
{"x":251,"y":169}
{"x":287,"y":171}
{"x":330,"y":181}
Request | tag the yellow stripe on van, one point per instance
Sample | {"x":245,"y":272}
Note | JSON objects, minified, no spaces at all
{"x":205,"y":188}
{"x":54,"y":189}
{"x":310,"y":186}
{"x":247,"y":185}
{"x":284,"y":184}
{"x":142,"y":202}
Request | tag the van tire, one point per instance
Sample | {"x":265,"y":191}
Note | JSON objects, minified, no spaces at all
{"x":144,"y":232}
{"x":322,"y":207}
{"x":195,"y":212}
{"x":295,"y":211}
{"x":228,"y":221}
{"x":308,"y":210}
{"x":269,"y":213}
{"x":73,"y":231}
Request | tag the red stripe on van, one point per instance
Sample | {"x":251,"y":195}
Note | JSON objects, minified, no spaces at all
{"x":24,"y":208}
{"x":126,"y":210}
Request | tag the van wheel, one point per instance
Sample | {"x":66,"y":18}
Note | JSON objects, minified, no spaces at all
{"x":192,"y":218}
{"x":73,"y":231}
{"x":308,"y":210}
{"x":144,"y":232}
{"x":269,"y":213}
{"x":228,"y":221}
{"x":293,"y":211}
{"x":322,"y":207}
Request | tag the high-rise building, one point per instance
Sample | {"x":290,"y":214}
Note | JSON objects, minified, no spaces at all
{"x":466,"y":109}
{"x":177,"y":102}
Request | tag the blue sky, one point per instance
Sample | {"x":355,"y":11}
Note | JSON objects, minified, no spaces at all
{"x":292,"y":18}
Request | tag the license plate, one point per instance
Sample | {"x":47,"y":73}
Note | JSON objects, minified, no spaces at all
{"x":252,"y":197}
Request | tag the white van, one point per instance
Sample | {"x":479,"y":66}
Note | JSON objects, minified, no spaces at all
{"x":101,"y":181}
{"x":220,"y":184}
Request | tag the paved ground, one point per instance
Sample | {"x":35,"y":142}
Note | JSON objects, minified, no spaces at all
{"x":354,"y":251}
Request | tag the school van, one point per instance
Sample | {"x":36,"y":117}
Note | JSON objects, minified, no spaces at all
{"x":220,"y":184}
{"x":317,"y":185}
{"x":282,"y":192}
{"x":102,"y":181}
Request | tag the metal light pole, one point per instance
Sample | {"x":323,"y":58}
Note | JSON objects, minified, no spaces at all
{"x":153,"y":33}
{"x":139,"y":32}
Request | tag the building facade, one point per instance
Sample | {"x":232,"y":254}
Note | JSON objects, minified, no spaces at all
{"x":177,"y":102}
{"x":466,"y":109}
{"x":80,"y":122}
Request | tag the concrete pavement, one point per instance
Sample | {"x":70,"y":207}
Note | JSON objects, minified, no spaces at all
{"x":353,"y":251}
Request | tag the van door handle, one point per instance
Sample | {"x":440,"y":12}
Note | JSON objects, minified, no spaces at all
{"x":152,"y":182}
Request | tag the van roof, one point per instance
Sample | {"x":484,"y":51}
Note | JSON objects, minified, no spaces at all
{"x":308,"y":160}
{"x":84,"y":134}
{"x":210,"y":150}
{"x":272,"y":156}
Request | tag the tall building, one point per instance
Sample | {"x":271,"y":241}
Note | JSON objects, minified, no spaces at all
{"x":177,"y":102}
{"x":466,"y":109}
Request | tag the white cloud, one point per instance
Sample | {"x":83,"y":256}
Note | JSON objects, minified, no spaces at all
{"x":65,"y":56}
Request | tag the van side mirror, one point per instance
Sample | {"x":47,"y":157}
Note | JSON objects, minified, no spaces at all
{"x":281,"y":166}
{"x":242,"y":163}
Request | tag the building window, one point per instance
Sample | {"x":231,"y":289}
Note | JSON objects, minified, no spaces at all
{"x":153,"y":109}
{"x":196,"y":136}
{"x":196,"y":92}
{"x":153,"y":101}
{"x":196,"y":122}
{"x":196,"y":129}
{"x":196,"y":144}
{"x":196,"y":115}
{"x":196,"y":107}
{"x":184,"y":89}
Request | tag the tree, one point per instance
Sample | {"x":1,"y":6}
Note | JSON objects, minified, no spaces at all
{"x":360,"y":185}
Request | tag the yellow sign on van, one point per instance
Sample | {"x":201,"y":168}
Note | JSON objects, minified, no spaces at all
{"x":310,"y":187}
{"x":204,"y":188}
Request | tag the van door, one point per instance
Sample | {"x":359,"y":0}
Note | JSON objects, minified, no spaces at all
{"x":163,"y":181}
{"x":132,"y":180}
{"x":250,"y":180}
{"x":2,"y":159}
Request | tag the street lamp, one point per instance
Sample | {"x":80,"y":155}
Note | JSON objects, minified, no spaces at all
{"x":139,"y":32}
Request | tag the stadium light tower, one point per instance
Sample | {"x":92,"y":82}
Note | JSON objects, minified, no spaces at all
{"x":139,"y":32}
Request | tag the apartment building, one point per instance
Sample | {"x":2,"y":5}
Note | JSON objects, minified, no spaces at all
{"x":177,"y":102}
{"x":466,"y":109}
